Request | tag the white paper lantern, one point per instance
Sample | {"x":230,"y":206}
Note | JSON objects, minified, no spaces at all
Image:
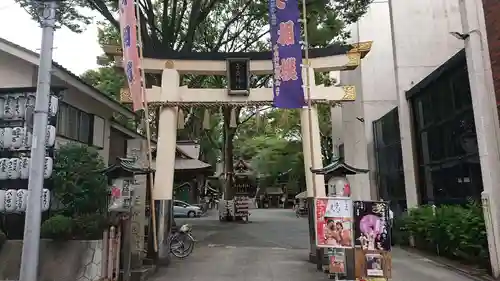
{"x":21,"y":200}
{"x":9,"y":107}
{"x":27,"y":139}
{"x":2,"y":201}
{"x":30,"y":103}
{"x":17,"y":137}
{"x":7,"y":138}
{"x":48,"y":167}
{"x":10,"y":201}
{"x":2,"y":106}
{"x":20,"y":107}
{"x":50,"y":138}
{"x":45,"y":199}
{"x":4,"y":171}
{"x":14,"y":169}
{"x":25,"y":167}
{"x":53,"y":105}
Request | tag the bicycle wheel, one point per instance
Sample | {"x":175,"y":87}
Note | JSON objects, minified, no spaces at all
{"x":181,"y":245}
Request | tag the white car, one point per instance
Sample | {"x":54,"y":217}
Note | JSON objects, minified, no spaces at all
{"x":183,"y":209}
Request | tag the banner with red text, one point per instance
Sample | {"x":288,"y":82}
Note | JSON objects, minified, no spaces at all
{"x":286,"y":53}
{"x":131,"y":62}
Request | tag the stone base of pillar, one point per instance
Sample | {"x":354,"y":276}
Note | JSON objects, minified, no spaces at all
{"x":164,"y":217}
{"x":321,"y":260}
{"x":312,"y":240}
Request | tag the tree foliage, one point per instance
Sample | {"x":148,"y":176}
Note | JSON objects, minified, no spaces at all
{"x":77,"y":185}
{"x":106,"y":79}
{"x":215,"y":26}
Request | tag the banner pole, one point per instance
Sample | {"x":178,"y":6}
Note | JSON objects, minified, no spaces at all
{"x":308,"y":91}
{"x":314,"y":250}
{"x":148,"y":129}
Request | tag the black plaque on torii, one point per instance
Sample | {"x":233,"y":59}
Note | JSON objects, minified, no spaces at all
{"x":238,"y":76}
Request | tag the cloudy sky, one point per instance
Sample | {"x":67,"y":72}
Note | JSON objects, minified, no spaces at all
{"x":77,"y":52}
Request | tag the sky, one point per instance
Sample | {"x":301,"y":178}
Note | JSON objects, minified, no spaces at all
{"x":76,"y":52}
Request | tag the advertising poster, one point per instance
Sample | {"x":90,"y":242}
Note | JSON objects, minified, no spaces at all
{"x":371,"y":265}
{"x":337,"y":263}
{"x":374,"y":265}
{"x":371,"y":228}
{"x":333,"y":222}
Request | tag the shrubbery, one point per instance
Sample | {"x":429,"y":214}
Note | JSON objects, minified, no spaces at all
{"x":58,"y":227}
{"x":456,"y":232}
{"x":82,"y":195}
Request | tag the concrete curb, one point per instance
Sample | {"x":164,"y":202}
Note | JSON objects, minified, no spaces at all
{"x":478,"y":276}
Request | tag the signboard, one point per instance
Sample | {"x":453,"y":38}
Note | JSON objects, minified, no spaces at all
{"x":287,"y":53}
{"x":238,"y":75}
{"x":337,"y":261}
{"x":371,"y":229}
{"x":333,"y":222}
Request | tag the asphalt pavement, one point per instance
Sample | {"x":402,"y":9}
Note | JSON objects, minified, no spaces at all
{"x":273,"y":246}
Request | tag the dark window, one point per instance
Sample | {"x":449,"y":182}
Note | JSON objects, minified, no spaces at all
{"x":390,"y":176}
{"x":74,"y":124}
{"x":446,"y":139}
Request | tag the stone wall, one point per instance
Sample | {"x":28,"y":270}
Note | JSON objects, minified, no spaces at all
{"x":59,"y":261}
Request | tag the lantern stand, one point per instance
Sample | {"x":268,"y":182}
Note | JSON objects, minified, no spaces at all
{"x":129,"y":260}
{"x":338,"y":186}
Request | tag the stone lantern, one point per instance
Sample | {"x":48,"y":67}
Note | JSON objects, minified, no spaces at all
{"x":336,"y":177}
{"x":127,"y":212}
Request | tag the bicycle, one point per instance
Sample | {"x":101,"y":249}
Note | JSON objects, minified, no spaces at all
{"x":182,"y":242}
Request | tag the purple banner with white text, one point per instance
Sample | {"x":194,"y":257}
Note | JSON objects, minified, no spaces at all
{"x":287,"y":53}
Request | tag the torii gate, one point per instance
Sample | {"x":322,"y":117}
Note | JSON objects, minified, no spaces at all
{"x":170,"y":96}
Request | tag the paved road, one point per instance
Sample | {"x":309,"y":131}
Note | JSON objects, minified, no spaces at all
{"x":272,"y":247}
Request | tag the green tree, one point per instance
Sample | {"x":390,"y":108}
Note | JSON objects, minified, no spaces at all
{"x":106,"y":79}
{"x":210,"y":25}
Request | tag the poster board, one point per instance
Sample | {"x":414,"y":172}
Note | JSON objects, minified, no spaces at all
{"x":333,"y":220}
{"x":372,"y":264}
{"x":372,"y":225}
{"x":372,"y":240}
{"x":337,"y":261}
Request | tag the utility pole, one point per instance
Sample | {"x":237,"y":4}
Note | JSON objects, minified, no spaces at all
{"x":31,"y":241}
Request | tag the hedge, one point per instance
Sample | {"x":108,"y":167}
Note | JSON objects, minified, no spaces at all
{"x":452,"y":231}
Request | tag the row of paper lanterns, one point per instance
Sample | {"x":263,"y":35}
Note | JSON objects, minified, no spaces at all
{"x":18,"y":168}
{"x":20,"y":138}
{"x":13,"y":106}
{"x":16,"y":201}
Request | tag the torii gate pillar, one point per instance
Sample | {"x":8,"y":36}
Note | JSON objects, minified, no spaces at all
{"x":315,"y":183}
{"x":165,"y":163}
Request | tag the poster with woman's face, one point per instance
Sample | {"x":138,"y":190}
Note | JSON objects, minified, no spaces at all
{"x":333,"y":220}
{"x":371,"y":227}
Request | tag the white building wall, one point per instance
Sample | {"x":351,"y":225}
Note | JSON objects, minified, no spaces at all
{"x":410,"y":39}
{"x":421,"y":42}
{"x":89,"y":105}
{"x":376,"y":95}
{"x":15,"y":72}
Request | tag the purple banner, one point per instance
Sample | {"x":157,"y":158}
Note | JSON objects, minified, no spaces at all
{"x":287,"y":53}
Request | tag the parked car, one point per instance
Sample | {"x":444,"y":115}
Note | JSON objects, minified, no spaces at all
{"x":183,"y":209}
